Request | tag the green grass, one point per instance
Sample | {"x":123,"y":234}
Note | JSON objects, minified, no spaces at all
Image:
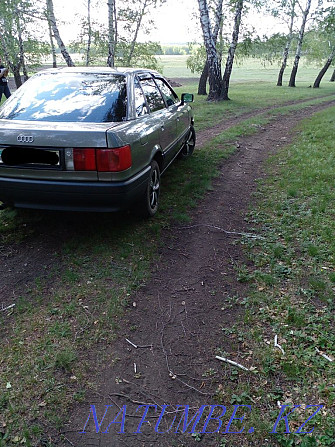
{"x":248,"y":97}
{"x":44,"y":357}
{"x":295,"y":218}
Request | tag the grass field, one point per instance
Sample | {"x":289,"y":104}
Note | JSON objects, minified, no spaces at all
{"x":293,"y":272}
{"x":248,"y":70}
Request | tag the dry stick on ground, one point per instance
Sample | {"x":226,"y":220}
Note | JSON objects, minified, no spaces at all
{"x":137,"y":346}
{"x":277,"y":345}
{"x":231,"y":362}
{"x":7,"y":308}
{"x":233,"y":233}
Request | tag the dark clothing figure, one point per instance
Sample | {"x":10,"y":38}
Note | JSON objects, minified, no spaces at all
{"x":4,"y":89}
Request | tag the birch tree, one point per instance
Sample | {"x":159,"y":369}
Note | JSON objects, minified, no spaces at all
{"x":112,"y":32}
{"x":214,"y":65}
{"x":56,"y":34}
{"x":52,"y":46}
{"x":305,"y":13}
{"x":218,"y":19}
{"x":324,"y":69}
{"x":232,"y":50}
{"x":89,"y":34}
{"x":327,"y":31}
{"x":287,"y":8}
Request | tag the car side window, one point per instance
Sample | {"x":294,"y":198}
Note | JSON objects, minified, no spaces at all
{"x":140,"y":104}
{"x":152,"y":94}
{"x":168,"y":94}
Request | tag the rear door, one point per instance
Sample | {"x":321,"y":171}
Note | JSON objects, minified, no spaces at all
{"x":166,"y":116}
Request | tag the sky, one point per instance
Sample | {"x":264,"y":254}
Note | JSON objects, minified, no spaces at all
{"x":175,"y":22}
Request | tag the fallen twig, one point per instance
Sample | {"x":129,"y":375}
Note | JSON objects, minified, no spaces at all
{"x":7,"y":308}
{"x":234,"y":233}
{"x":231,"y":362}
{"x":137,"y":346}
{"x":325,"y":356}
{"x":277,"y":345}
{"x":131,"y":343}
{"x":175,"y":377}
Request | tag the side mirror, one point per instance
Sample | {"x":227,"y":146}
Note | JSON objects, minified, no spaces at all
{"x":187,"y":97}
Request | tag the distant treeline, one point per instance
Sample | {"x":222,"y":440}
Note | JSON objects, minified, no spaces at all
{"x":175,"y":50}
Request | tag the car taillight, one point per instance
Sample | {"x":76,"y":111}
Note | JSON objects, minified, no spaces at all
{"x":114,"y":160}
{"x":102,"y":160}
{"x":84,"y":159}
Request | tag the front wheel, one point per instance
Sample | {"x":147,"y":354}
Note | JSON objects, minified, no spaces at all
{"x":150,"y":201}
{"x":189,"y":145}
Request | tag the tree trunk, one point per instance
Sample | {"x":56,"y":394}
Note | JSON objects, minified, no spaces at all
{"x":299,"y":47}
{"x":112,"y":33}
{"x":202,"y":87}
{"x":21,"y":54}
{"x":54,"y":27}
{"x":214,"y":68}
{"x":138,"y":26}
{"x":324,"y":70}
{"x":52,"y":45}
{"x":231,"y":51}
{"x":287,"y":47}
{"x":17,"y":76}
{"x":332,"y":79}
{"x":89,"y":40}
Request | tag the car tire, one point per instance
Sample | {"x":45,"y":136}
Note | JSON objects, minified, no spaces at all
{"x":150,"y":201}
{"x":189,"y":145}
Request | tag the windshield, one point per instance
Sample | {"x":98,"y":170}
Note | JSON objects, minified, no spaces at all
{"x":69,"y":97}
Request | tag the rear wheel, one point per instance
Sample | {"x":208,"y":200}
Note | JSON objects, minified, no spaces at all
{"x":189,"y":144}
{"x":150,"y":201}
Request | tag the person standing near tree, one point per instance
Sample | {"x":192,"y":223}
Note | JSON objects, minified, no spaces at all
{"x":4,"y":89}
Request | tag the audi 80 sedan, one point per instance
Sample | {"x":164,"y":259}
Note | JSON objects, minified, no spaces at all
{"x":92,"y":139}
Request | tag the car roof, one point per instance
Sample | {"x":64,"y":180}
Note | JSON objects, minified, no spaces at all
{"x":116,"y":70}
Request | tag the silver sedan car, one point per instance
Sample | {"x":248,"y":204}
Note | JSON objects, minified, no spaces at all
{"x":92,"y":139}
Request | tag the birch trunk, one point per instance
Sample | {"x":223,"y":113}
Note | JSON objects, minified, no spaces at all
{"x":89,"y":39}
{"x":138,"y":26}
{"x":214,"y":68}
{"x":54,"y":27}
{"x":231,"y":51}
{"x":202,"y":87}
{"x":324,"y":69}
{"x":112,"y":33}
{"x":299,"y":47}
{"x":52,"y":45}
{"x":287,"y":47}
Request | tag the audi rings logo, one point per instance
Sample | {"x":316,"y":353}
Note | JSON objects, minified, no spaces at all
{"x":25,"y":138}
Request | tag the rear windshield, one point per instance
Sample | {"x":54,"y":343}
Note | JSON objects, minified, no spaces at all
{"x":69,"y":97}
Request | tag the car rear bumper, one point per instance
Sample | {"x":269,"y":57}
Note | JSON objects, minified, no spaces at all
{"x":73,"y":196}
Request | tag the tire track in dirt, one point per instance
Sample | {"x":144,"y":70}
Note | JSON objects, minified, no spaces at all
{"x":180,"y":312}
{"x":217,"y":129}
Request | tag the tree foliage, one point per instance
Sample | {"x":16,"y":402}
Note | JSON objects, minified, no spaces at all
{"x":20,"y":48}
